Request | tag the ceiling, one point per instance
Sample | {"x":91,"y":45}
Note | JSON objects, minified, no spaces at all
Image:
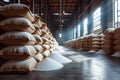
{"x":63,"y":11}
{"x":56,"y":13}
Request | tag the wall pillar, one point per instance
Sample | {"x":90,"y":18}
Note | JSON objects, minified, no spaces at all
{"x":104,"y":15}
{"x":81,"y":26}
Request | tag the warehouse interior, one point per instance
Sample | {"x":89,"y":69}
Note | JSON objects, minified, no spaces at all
{"x":59,"y":40}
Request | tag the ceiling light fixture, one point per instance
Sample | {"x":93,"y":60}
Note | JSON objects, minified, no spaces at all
{"x":60,"y":11}
{"x":60,"y":35}
{"x":6,"y":0}
{"x":64,"y":14}
{"x":60,"y":15}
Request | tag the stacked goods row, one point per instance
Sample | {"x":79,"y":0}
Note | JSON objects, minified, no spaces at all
{"x":89,"y":42}
{"x":79,"y":43}
{"x":18,"y":38}
{"x":117,"y":40}
{"x":70,"y":43}
{"x":27,"y":40}
{"x":67,"y":44}
{"x":85,"y":43}
{"x":1,"y":45}
{"x":76,"y":44}
{"x":95,"y":42}
{"x":109,"y":41}
{"x":101,"y":40}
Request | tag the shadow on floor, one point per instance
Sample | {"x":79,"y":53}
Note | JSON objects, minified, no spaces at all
{"x":87,"y":66}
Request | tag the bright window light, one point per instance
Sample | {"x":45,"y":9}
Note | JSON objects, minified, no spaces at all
{"x":85,"y":26}
{"x":74,"y":32}
{"x":67,"y":13}
{"x":116,"y":12}
{"x":78,"y":31}
{"x":6,"y":0}
{"x":64,"y":13}
{"x":97,"y":19}
{"x":60,"y":35}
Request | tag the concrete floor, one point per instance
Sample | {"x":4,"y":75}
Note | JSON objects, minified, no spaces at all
{"x":85,"y":66}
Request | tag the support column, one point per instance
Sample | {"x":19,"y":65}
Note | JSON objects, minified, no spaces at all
{"x":90,"y":23}
{"x":81,"y":26}
{"x":72,"y":32}
{"x":90,"y":20}
{"x":104,"y":15}
{"x":31,"y":5}
{"x":78,"y":18}
{"x":40,"y":7}
{"x":109,"y":12}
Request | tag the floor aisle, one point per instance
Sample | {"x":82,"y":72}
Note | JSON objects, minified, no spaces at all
{"x":85,"y":66}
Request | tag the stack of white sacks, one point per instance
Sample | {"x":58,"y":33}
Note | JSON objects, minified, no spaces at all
{"x":94,"y":42}
{"x":117,"y":42}
{"x":85,"y":43}
{"x":109,"y":39}
{"x":78,"y":43}
{"x":102,"y":40}
{"x":28,"y":41}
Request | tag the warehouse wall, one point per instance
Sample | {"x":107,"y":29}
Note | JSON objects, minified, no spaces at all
{"x":107,"y":14}
{"x":106,"y":18}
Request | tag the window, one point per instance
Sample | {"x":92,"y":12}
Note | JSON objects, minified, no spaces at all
{"x":74,"y":32}
{"x":78,"y":35}
{"x":60,"y":35}
{"x":85,"y":26}
{"x":97,"y":19}
{"x":6,"y":0}
{"x":116,"y":12}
